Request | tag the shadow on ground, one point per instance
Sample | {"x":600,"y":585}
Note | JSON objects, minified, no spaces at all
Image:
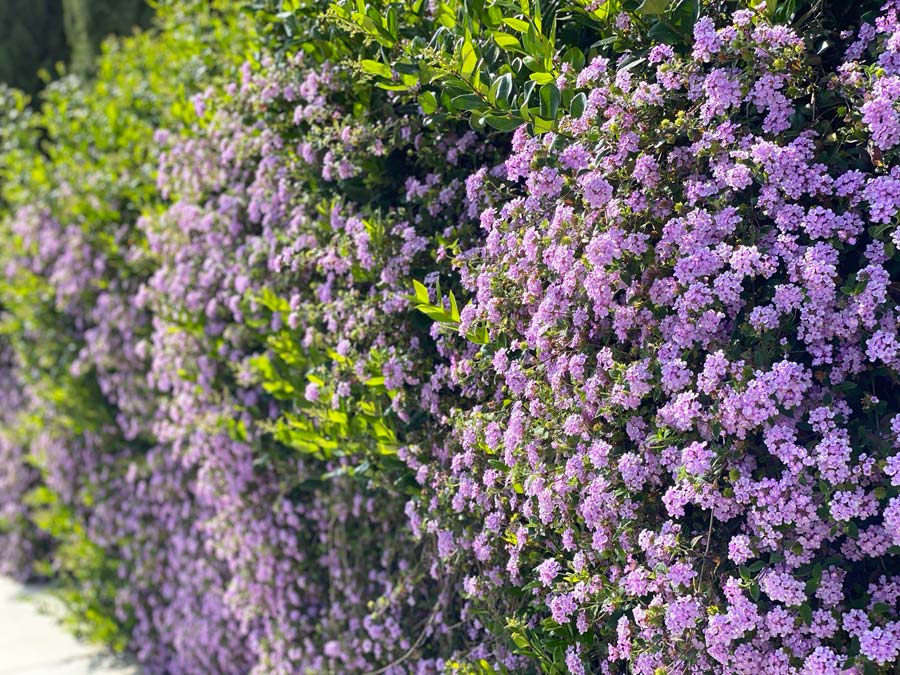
{"x":33,"y":643}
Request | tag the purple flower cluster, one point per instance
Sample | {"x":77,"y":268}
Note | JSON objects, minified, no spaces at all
{"x":684,"y":417}
{"x":21,"y":543}
{"x":280,"y":323}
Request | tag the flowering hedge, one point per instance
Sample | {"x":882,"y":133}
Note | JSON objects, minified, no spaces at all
{"x":684,"y":448}
{"x":77,"y":174}
{"x":438,"y":339}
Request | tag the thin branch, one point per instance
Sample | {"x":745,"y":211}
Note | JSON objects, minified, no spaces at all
{"x":409,"y":652}
{"x":708,"y":542}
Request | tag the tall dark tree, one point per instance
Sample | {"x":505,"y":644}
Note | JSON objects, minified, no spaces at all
{"x":88,"y":22}
{"x":31,"y":38}
{"x":36,"y":34}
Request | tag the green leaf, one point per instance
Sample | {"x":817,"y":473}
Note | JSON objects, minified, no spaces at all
{"x":486,"y":668}
{"x":542,"y":78}
{"x":445,"y":16}
{"x":438,"y":314}
{"x":686,"y":13}
{"x":468,"y":57}
{"x":575,"y":57}
{"x":550,"y":99}
{"x":660,"y":32}
{"x":507,"y":41}
{"x":576,"y":108}
{"x":467,"y":102}
{"x":454,"y":310}
{"x":428,"y":101}
{"x":478,"y":335}
{"x":376,"y":68}
{"x":421,"y":292}
{"x":754,"y":591}
{"x":503,"y":122}
{"x":517,"y":24}
{"x":387,"y":86}
{"x":653,"y":7}
{"x":500,"y":90}
{"x":542,"y":125}
{"x":607,"y":10}
{"x":785,"y":10}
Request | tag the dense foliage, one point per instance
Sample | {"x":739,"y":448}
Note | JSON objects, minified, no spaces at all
{"x":467,"y":337}
{"x":77,"y":176}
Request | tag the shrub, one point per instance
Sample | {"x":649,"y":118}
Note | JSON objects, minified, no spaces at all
{"x":292,"y":364}
{"x":683,"y":451}
{"x":77,"y":174}
{"x":475,"y":338}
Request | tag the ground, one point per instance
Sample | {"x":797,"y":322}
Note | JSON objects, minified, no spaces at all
{"x":33,"y":643}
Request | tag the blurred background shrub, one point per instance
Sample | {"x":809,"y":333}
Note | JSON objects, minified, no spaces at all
{"x":36,"y":35}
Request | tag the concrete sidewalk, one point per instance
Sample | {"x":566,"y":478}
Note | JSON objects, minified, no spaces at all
{"x":33,"y":643}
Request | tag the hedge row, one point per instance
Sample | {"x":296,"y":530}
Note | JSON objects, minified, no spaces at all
{"x":463,"y":337}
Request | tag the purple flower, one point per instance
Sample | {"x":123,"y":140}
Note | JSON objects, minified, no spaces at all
{"x":548,"y":570}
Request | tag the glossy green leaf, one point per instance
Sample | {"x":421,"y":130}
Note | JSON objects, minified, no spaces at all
{"x":500,"y":90}
{"x":507,"y":41}
{"x":550,"y":99}
{"x":428,"y":101}
{"x":576,"y":108}
{"x":421,"y":292}
{"x":376,"y":68}
{"x":503,"y":122}
{"x":468,"y":57}
{"x":467,"y":102}
{"x":517,"y":24}
{"x":542,"y":78}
